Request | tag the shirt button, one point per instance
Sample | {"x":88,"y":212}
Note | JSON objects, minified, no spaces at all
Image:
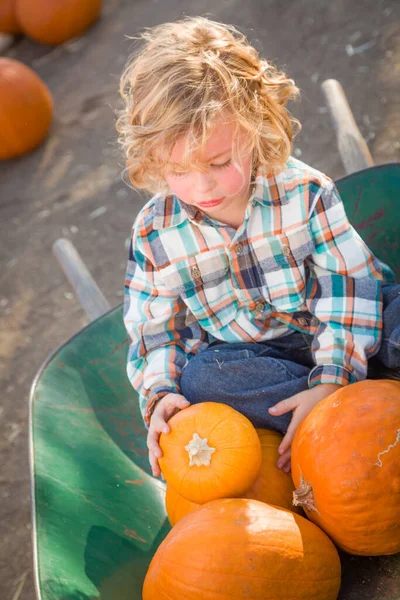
{"x":239,"y":248}
{"x":285,"y":250}
{"x":259,"y":307}
{"x":302,"y":321}
{"x":196,"y":273}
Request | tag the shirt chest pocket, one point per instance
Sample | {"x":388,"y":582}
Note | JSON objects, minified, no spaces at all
{"x":203,"y":282}
{"x":280,"y":260}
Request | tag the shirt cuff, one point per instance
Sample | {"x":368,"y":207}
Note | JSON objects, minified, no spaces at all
{"x":330,"y":374}
{"x":155,"y":396}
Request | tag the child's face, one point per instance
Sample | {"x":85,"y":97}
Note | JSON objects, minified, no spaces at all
{"x":221,"y":185}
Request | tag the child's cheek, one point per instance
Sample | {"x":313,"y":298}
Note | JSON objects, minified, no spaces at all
{"x":179,"y":187}
{"x":235,"y":181}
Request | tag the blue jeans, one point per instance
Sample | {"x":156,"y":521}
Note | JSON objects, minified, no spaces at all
{"x":252,"y":377}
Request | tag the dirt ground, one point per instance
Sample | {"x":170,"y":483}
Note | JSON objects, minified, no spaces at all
{"x":71,"y":187}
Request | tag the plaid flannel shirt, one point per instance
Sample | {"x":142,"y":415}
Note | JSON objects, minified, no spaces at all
{"x":295,"y":264}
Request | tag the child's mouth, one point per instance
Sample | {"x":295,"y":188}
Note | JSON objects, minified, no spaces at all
{"x":210,"y":203}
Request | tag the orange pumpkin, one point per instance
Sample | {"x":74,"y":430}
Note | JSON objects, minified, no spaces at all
{"x":272,"y":485}
{"x":26,"y":109}
{"x":8,"y":17}
{"x":346,"y":467}
{"x":212,"y":451}
{"x":243,"y":548}
{"x":50,"y":22}
{"x":177,"y":506}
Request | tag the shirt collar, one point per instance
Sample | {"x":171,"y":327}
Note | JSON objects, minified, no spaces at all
{"x":169,"y":211}
{"x":269,"y":189}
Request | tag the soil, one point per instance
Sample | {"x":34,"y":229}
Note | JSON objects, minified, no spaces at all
{"x":71,"y":187}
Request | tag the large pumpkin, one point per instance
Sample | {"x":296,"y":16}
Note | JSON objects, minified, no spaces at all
{"x":240,"y":548}
{"x":55,"y":22}
{"x":272,"y":485}
{"x":212,"y":451}
{"x":8,"y":17}
{"x":346,"y":467}
{"x":26,"y":109}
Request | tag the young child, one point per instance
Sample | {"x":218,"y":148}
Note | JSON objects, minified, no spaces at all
{"x":246,"y":284}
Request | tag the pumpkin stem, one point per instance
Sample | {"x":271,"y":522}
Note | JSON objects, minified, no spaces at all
{"x":304,"y":496}
{"x":199,"y":451}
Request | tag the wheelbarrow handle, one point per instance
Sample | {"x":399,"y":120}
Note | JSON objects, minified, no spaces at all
{"x":351,"y":145}
{"x":86,"y":289}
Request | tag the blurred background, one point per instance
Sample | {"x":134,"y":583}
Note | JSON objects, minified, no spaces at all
{"x":71,"y":186}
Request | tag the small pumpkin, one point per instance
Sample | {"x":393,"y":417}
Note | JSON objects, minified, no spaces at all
{"x":50,"y":22}
{"x":26,"y":109}
{"x":212,"y":451}
{"x":272,"y":485}
{"x":346,"y":467}
{"x":238,"y":547}
{"x":8,"y":17}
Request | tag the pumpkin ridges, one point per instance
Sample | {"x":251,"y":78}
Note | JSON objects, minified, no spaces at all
{"x":234,"y":465}
{"x":357,"y":501}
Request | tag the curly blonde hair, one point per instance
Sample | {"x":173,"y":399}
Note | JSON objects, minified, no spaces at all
{"x":186,"y":74}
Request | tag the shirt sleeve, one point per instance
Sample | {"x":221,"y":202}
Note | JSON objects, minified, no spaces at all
{"x":344,"y":293}
{"x":164,"y":334}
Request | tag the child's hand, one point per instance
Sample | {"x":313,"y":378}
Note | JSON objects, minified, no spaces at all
{"x":301,"y":404}
{"x":164,"y":410}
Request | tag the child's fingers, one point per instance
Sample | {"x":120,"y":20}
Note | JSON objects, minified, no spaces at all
{"x":155,"y":451}
{"x":284,"y":461}
{"x":176,"y":401}
{"x":167,"y":407}
{"x":286,"y":443}
{"x":183,"y":403}
{"x":284,"y":406}
{"x":155,"y":467}
{"x":156,"y":427}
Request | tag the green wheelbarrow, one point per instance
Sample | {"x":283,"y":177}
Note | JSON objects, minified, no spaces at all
{"x":98,"y":514}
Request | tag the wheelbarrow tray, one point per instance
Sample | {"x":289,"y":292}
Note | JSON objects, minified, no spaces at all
{"x":98,"y":514}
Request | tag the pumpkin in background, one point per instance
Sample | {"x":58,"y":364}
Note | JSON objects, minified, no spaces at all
{"x":26,"y":109}
{"x":346,"y":467}
{"x":272,"y":485}
{"x":238,"y":547}
{"x":55,"y":22}
{"x":177,"y":506}
{"x":212,"y":451}
{"x":8,"y":17}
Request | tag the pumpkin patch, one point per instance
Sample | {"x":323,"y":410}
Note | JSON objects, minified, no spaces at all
{"x":346,"y":467}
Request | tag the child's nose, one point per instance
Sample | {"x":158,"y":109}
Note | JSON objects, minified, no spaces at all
{"x":204,"y":182}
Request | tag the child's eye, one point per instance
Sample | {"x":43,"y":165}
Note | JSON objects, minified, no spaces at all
{"x":221,"y":166}
{"x":179,"y":173}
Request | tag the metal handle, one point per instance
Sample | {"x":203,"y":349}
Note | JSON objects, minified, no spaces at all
{"x":86,"y":289}
{"x":352,"y":147}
